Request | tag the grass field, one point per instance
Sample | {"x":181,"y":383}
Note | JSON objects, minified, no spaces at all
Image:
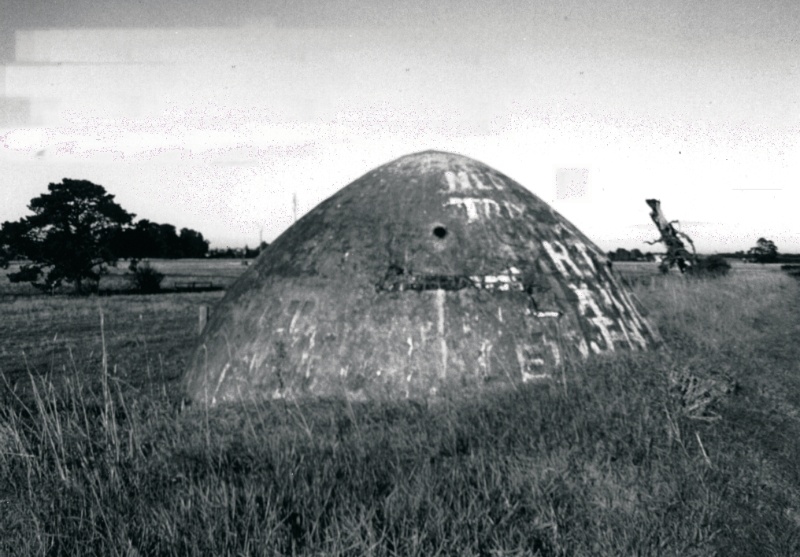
{"x":691,"y":450}
{"x":146,"y":336}
{"x":220,"y":272}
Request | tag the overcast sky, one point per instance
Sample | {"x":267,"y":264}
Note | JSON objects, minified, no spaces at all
{"x":212,"y":117}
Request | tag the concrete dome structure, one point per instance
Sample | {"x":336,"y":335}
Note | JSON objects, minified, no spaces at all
{"x":429,"y":272}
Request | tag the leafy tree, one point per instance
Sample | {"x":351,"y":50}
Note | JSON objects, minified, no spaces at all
{"x":621,"y":254}
{"x":135,"y":242}
{"x":150,"y":239}
{"x":168,"y":241}
{"x":764,"y":251}
{"x":67,"y":239}
{"x":192,"y":243}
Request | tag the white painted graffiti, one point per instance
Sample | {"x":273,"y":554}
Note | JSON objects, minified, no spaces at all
{"x":440,"y":329}
{"x":306,"y":358}
{"x":485,"y":357}
{"x":554,"y":350}
{"x":547,"y":314}
{"x":590,"y":310}
{"x":514,"y":209}
{"x":505,"y":282}
{"x":478,"y":207}
{"x":636,"y":324}
{"x":526,"y":361}
{"x":560,"y":256}
{"x":464,"y":181}
{"x":595,"y":303}
{"x":584,"y":251}
{"x":628,"y":325}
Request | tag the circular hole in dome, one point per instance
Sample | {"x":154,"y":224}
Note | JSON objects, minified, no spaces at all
{"x":440,"y":232}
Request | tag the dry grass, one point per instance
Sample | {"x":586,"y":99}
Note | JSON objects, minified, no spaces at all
{"x":616,"y":463}
{"x":146,"y":336}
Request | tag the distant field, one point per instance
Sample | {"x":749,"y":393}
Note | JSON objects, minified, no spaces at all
{"x":221,"y":272}
{"x":646,"y":267}
{"x":146,"y":335}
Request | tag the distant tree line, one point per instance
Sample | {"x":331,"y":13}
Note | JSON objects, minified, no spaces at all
{"x":765,"y":251}
{"x":147,"y":239}
{"x":236,"y":253}
{"x":621,"y":254}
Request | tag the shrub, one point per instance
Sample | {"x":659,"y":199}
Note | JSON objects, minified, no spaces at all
{"x":144,"y":277}
{"x":711,"y":266}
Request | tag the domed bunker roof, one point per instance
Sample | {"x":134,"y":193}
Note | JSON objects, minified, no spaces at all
{"x":429,"y":272}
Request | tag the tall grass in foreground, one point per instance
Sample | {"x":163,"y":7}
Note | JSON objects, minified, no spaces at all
{"x":613,"y":462}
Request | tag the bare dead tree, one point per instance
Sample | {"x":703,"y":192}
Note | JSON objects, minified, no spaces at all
{"x":672,"y":238}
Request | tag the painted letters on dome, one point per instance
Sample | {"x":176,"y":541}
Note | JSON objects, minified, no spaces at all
{"x":433,"y":271}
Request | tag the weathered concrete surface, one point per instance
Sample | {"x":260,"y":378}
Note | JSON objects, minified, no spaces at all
{"x":431,"y":271}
